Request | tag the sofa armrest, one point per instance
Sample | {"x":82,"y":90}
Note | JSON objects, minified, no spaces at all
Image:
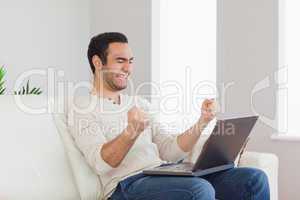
{"x":268,"y":163}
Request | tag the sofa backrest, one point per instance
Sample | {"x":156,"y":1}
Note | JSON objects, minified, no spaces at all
{"x":87,"y":181}
{"x":33,"y":161}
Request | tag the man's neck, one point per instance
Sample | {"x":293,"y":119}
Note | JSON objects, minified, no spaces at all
{"x":99,"y":89}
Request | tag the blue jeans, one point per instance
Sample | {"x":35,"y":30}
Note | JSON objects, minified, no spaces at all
{"x":233,"y":184}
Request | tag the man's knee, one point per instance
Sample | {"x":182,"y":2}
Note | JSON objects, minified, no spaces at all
{"x":202,"y":190}
{"x":255,"y":182}
{"x":259,"y":180}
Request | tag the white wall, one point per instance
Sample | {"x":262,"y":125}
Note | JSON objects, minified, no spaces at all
{"x":55,"y":33}
{"x":41,"y":34}
{"x":248,"y":53}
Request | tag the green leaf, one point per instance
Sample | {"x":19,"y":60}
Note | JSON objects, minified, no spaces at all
{"x":2,"y":74}
{"x":27,"y":87}
{"x":38,"y":90}
{"x":32,"y":91}
{"x":23,"y":90}
{"x":2,"y":91}
{"x":38,"y":93}
{"x":1,"y":84}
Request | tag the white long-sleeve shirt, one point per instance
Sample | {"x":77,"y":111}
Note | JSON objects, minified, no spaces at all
{"x":97,"y":120}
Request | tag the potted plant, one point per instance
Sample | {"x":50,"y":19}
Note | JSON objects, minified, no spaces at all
{"x":25,"y":90}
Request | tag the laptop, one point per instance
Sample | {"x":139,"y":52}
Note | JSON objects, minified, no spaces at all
{"x":218,"y":153}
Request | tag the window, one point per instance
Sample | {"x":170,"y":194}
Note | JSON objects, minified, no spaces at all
{"x":186,"y":65}
{"x":289,"y":63}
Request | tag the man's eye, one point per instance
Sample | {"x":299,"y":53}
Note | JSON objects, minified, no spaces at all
{"x":120,"y":60}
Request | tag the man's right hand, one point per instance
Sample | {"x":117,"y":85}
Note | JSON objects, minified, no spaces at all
{"x":114,"y":151}
{"x":137,"y":122}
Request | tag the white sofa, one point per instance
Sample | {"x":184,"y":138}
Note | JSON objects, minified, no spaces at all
{"x":36,"y":165}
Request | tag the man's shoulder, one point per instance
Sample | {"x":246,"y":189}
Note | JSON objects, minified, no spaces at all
{"x":81,"y":104}
{"x":80,"y":101}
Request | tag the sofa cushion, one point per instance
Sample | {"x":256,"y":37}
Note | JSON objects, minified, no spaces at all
{"x":33,"y":162}
{"x":87,"y":181}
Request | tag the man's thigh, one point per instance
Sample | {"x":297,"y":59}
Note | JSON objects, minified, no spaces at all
{"x":166,"y":188}
{"x":240,"y":183}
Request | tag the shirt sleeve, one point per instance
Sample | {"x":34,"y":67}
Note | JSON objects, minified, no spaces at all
{"x":89,"y":138}
{"x":165,"y":140}
{"x":167,"y":144}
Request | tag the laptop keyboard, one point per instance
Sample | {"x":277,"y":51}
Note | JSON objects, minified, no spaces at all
{"x":186,"y":167}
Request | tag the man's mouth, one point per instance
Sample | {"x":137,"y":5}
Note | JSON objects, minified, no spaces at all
{"x":122,"y":76}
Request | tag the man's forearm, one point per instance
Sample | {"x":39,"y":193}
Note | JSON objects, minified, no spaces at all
{"x":114,"y":151}
{"x":189,"y":138}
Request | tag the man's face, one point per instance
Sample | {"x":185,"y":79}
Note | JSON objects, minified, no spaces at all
{"x":118,"y":67}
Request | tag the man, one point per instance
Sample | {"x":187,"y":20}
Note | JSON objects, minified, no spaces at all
{"x":120,"y":138}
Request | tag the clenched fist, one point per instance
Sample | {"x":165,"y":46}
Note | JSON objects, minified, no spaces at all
{"x":137,"y":121}
{"x":208,"y":110}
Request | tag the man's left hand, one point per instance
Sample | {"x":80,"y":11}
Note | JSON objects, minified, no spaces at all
{"x":208,"y":110}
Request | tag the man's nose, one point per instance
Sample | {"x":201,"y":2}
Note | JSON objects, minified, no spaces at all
{"x":126,"y":67}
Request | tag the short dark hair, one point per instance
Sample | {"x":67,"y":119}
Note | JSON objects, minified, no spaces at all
{"x":99,"y":45}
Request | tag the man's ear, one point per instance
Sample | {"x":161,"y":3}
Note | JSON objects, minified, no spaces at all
{"x":97,"y":62}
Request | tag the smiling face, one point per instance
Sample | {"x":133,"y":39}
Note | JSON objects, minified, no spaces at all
{"x":118,"y":67}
